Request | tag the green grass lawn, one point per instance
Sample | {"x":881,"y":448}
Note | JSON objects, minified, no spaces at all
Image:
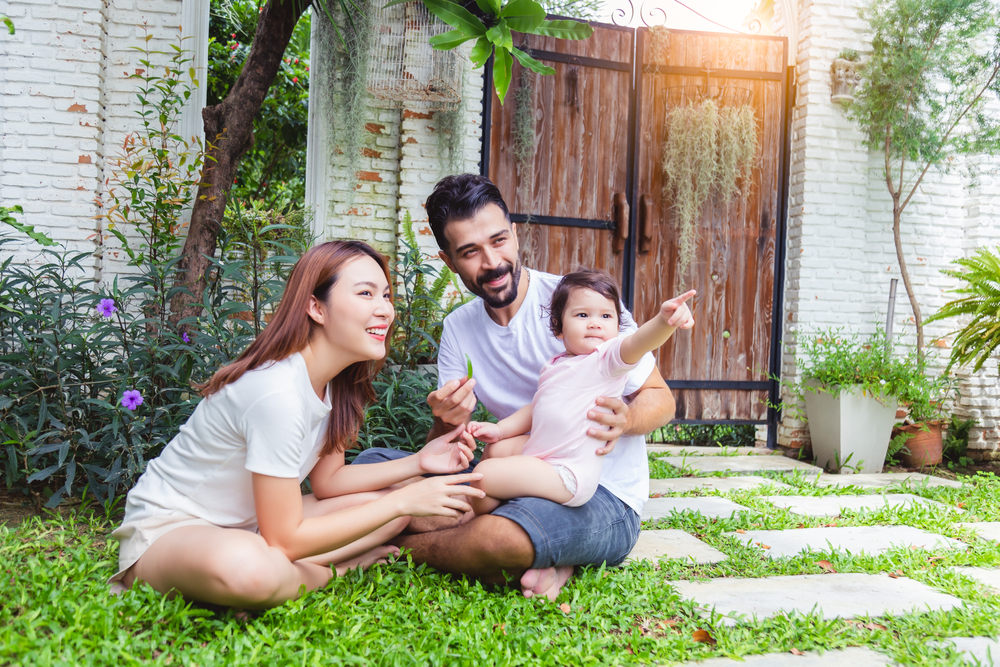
{"x":55,"y":610}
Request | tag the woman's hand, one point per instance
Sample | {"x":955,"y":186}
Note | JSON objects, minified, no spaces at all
{"x":485,"y":432}
{"x":452,"y":452}
{"x":437,"y":496}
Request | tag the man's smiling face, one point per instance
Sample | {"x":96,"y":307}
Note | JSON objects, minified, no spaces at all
{"x":483,"y":252}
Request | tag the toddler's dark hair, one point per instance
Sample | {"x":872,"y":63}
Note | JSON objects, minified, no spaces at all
{"x":591,"y":279}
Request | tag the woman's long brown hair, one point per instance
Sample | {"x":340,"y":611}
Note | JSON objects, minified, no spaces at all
{"x":289,"y":331}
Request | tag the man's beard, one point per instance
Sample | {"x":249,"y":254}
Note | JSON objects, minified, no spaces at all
{"x":498,"y":299}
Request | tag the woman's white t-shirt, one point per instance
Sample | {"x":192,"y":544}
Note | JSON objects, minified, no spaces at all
{"x":269,"y":421}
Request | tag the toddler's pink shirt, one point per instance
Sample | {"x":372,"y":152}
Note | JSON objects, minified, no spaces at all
{"x":567,"y":389}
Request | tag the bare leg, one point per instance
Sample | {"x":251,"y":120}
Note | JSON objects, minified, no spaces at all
{"x":516,"y":477}
{"x":236,"y":568}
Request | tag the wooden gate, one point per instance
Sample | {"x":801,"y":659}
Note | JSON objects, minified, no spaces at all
{"x":594,"y":196}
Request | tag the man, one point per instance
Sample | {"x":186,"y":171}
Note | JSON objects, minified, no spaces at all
{"x":505,"y":334}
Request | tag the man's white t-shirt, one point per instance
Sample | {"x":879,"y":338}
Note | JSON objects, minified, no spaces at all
{"x":507,"y":362}
{"x":269,"y":421}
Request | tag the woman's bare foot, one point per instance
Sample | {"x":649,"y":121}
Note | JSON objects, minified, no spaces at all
{"x":377,"y":556}
{"x":546,"y":581}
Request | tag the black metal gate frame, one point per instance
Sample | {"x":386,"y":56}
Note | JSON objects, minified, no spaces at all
{"x":772,"y":384}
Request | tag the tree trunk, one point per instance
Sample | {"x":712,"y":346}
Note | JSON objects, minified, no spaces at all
{"x":897,"y":214}
{"x":229,"y":135}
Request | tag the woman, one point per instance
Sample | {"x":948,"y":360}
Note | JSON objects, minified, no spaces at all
{"x":219,"y":515}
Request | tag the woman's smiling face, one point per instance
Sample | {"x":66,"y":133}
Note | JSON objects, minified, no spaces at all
{"x":358,"y":311}
{"x":588,"y":320}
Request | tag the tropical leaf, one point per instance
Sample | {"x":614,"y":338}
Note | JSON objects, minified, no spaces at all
{"x":531,"y":63}
{"x":523,"y":15}
{"x":481,"y":52}
{"x":979,"y":339}
{"x":456,"y":16}
{"x":564,"y":29}
{"x":503,"y":63}
{"x":446,"y":41}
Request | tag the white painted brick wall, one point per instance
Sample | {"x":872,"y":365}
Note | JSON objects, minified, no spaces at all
{"x":841,"y":255}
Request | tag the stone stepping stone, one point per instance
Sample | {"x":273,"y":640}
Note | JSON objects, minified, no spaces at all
{"x":988,"y":576}
{"x":673,"y":544}
{"x":878,"y":480}
{"x":850,"y":539}
{"x":684,"y":484}
{"x":691,"y":450}
{"x":988,"y":530}
{"x":835,"y":505}
{"x":984,"y":651}
{"x":713,"y":508}
{"x":738,"y":464}
{"x":855,"y":657}
{"x":833,"y":595}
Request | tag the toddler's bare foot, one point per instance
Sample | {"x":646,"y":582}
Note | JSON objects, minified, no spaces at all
{"x":546,"y":581}
{"x":377,"y":556}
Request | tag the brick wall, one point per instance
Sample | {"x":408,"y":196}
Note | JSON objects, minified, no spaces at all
{"x":841,"y":255}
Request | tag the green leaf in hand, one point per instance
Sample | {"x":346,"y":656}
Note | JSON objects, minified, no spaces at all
{"x":446,"y":41}
{"x":503,"y":63}
{"x":523,"y":15}
{"x":531,"y":63}
{"x":564,"y":29}
{"x":468,"y":362}
{"x":481,"y":52}
{"x":456,"y":16}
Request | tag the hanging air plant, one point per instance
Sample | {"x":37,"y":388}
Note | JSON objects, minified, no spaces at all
{"x":523,"y":130}
{"x":709,"y":149}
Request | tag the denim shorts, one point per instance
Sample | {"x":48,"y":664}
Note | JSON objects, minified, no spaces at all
{"x":603,"y":530}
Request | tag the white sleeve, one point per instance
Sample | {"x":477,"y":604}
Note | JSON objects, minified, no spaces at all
{"x":274,"y":428}
{"x":641,"y":371}
{"x":451,"y":361}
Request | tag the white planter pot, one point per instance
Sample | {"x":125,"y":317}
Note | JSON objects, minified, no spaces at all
{"x":849,"y":430}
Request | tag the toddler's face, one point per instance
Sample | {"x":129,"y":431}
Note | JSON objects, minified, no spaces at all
{"x":589,"y":320}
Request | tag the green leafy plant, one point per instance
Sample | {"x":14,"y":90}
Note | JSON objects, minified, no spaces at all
{"x":849,"y":54}
{"x":834,"y":361}
{"x":956,"y":441}
{"x":923,"y":95}
{"x":705,"y":435}
{"x":897,"y":446}
{"x":978,"y":339}
{"x":492,"y":32}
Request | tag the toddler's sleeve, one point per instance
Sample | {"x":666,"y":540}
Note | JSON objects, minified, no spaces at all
{"x":610,"y":362}
{"x":274,"y":428}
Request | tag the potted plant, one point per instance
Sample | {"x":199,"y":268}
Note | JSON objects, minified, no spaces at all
{"x":925,"y":400}
{"x":844,"y":76}
{"x":851,"y":386}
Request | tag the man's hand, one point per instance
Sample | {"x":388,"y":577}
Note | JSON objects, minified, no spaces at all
{"x":616,"y":421}
{"x":450,"y":453}
{"x":455,"y":402}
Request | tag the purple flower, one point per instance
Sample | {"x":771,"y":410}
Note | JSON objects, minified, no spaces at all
{"x":131,"y":399}
{"x":185,"y":337}
{"x":106,"y":308}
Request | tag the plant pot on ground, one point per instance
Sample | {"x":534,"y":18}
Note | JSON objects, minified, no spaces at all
{"x":851,"y":386}
{"x":925,"y":398}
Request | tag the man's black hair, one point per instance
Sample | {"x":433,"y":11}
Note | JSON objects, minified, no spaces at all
{"x":460,"y":197}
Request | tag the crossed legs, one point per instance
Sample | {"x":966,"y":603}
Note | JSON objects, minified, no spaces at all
{"x":237,"y":568}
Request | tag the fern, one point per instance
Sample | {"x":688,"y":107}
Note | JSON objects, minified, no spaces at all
{"x":978,"y":340}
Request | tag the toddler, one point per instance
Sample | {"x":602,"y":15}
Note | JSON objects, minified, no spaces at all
{"x":558,"y":460}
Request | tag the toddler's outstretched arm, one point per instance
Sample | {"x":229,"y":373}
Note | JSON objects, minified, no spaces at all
{"x":517,"y":424}
{"x":674,"y":314}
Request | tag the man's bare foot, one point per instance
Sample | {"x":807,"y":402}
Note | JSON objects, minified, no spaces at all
{"x":377,"y":556}
{"x":546,"y":581}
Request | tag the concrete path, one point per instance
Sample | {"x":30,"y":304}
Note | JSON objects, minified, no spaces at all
{"x":987,"y":576}
{"x":880,"y":480}
{"x":988,"y":530}
{"x":690,"y":450}
{"x":684,"y":484}
{"x":739,"y":464}
{"x":835,"y":505}
{"x":833,"y":595}
{"x":656,"y":544}
{"x":713,"y":508}
{"x":855,"y":657}
{"x":849,"y":539}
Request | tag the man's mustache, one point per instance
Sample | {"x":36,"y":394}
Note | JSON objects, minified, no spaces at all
{"x":494,"y":274}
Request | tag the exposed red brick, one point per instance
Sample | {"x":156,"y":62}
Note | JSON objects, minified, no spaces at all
{"x":355,"y":211}
{"x":426,"y":231}
{"x":79,"y":108}
{"x":85,"y":159}
{"x":367,"y":152}
{"x":411,"y":140}
{"x":374,"y":128}
{"x":369,"y":176}
{"x":418,"y":114}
